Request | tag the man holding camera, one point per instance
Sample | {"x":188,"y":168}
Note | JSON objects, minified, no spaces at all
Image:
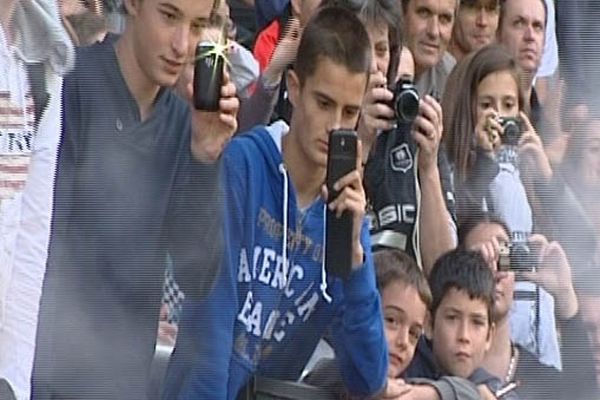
{"x":407,"y":177}
{"x":136,"y":180}
{"x":547,"y":265}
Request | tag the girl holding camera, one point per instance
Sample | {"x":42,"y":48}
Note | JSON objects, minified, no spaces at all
{"x":499,"y":165}
{"x":489,"y":137}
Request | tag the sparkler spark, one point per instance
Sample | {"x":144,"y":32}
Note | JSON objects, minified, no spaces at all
{"x":216,"y":49}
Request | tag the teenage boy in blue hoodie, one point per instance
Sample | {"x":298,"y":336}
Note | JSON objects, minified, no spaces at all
{"x":274,"y":300}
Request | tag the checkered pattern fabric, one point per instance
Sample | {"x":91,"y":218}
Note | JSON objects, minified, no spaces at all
{"x":172,"y":296}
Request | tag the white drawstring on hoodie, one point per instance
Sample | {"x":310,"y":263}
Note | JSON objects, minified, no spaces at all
{"x":285,"y":220}
{"x":416,"y":237}
{"x":323,"y":285}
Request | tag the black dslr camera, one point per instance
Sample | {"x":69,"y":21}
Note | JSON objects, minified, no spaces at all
{"x":512,"y":130}
{"x":406,"y":100}
{"x":518,"y":256}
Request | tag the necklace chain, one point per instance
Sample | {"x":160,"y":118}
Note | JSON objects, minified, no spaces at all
{"x":511,"y":365}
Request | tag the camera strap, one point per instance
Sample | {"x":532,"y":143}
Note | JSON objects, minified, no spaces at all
{"x":537,"y":321}
{"x":525,"y":295}
{"x":533,"y":296}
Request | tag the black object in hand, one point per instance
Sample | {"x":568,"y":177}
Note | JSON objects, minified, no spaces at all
{"x":341,"y":161}
{"x":512,"y":130}
{"x":406,"y":101}
{"x":519,"y":256}
{"x":208,"y":76}
{"x":523,"y":257}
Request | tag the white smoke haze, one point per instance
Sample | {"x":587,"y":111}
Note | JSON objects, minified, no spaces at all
{"x":568,"y":205}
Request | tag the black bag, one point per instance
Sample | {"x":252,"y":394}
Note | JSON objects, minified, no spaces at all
{"x":261,"y":388}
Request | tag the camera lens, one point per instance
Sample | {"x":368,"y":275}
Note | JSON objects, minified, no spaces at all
{"x":512,"y":131}
{"x":406,"y":101}
{"x":407,"y":105}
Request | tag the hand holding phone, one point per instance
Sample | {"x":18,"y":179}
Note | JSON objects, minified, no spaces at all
{"x":346,"y":203}
{"x":214,"y":104}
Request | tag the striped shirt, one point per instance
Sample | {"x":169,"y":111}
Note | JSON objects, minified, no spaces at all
{"x":16,"y":122}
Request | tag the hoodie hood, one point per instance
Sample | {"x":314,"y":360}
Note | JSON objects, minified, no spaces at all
{"x":272,"y":149}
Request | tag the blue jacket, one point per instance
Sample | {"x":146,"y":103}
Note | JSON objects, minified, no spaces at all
{"x":271,"y":305}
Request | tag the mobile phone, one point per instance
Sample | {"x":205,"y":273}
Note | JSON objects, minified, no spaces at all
{"x":208,"y":76}
{"x":341,"y":160}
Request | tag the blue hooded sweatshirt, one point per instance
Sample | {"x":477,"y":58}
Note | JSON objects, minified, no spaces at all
{"x":272,"y":303}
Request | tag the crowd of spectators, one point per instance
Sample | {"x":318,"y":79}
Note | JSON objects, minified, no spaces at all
{"x":153,"y":250}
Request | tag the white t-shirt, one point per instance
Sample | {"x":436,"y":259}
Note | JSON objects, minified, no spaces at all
{"x":549,"y":62}
{"x":16,"y":140}
{"x":512,"y":206}
{"x":27,"y":169}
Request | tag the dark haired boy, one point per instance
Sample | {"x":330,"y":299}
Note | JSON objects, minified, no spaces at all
{"x":506,"y":359}
{"x":405,"y":297}
{"x":274,"y":298}
{"x":461,"y":324}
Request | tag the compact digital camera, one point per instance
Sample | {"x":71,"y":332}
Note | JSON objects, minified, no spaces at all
{"x":512,"y":130}
{"x":518,"y":257}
